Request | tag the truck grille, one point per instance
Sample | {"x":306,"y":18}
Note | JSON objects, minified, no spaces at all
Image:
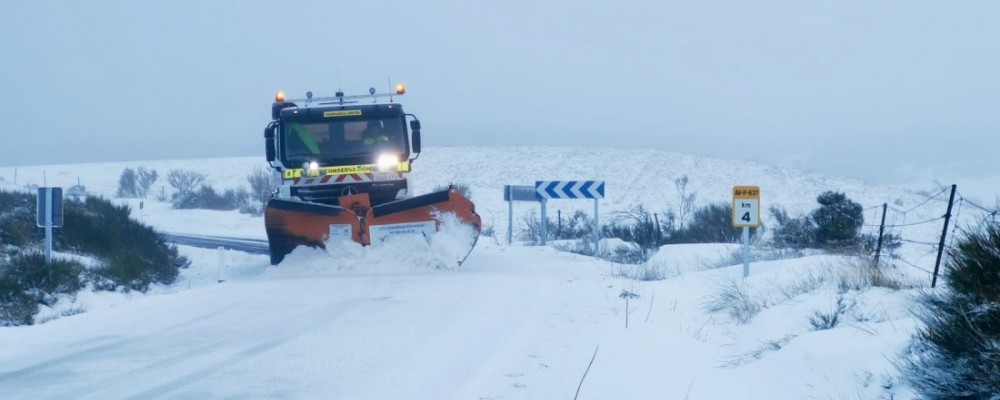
{"x":378,"y":192}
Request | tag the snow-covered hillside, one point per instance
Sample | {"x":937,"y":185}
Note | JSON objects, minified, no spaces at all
{"x":634,"y":177}
{"x":513,"y":322}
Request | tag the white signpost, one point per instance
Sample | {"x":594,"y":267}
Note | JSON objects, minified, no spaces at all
{"x":511,"y":194}
{"x":746,"y":215}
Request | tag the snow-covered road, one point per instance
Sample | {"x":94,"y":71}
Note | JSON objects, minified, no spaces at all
{"x":425,"y":334}
{"x":512,"y":323}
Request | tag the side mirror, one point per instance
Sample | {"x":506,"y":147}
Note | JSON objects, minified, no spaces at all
{"x":416,"y":139}
{"x":269,"y":131}
{"x":269,"y":150}
{"x":415,"y":126}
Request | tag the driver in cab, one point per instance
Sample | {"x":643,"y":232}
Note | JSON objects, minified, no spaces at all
{"x":374,"y":134}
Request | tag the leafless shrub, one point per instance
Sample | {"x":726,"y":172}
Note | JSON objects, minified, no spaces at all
{"x":822,"y":320}
{"x":733,"y":297}
{"x":860,"y":273}
{"x":127,"y":184}
{"x":185,"y":181}
{"x":261,"y":184}
{"x":647,"y":271}
{"x":145,"y":180}
{"x":686,"y":200}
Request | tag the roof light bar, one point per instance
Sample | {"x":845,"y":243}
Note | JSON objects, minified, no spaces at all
{"x":339,"y":97}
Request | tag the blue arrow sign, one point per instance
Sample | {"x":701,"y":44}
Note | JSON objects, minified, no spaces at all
{"x":550,"y":190}
{"x":569,"y":189}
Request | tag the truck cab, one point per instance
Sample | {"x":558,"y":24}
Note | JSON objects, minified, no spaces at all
{"x":342,"y":163}
{"x":324,"y":148}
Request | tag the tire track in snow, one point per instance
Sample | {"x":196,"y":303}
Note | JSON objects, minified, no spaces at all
{"x":273,"y":341}
{"x":107,"y":342}
{"x":487,"y":319}
{"x":165,"y":376}
{"x":142,"y":364}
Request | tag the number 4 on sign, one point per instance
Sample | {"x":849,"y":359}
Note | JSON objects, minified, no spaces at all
{"x":746,"y":213}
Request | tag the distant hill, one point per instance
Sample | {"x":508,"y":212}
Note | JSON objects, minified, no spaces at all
{"x":633,"y":177}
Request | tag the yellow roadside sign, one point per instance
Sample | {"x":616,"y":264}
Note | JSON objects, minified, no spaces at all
{"x":746,"y":206}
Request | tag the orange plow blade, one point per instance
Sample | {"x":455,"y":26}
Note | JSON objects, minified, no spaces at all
{"x":291,"y":223}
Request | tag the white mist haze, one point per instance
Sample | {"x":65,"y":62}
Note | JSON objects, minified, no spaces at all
{"x":896,"y":92}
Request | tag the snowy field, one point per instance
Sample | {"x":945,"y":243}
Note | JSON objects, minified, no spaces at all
{"x":513,"y":322}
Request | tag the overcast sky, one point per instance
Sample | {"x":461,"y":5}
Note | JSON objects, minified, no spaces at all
{"x":887,"y":91}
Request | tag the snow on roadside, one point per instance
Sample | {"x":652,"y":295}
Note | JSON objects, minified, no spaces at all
{"x":442,"y":250}
{"x":208,"y":267}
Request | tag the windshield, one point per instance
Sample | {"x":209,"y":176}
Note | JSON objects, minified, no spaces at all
{"x":342,"y":139}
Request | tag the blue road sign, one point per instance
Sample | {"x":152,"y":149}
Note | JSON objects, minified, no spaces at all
{"x":569,"y":189}
{"x":56,"y":206}
{"x":519,"y":193}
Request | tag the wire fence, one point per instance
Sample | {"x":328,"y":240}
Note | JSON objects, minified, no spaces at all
{"x":917,"y":244}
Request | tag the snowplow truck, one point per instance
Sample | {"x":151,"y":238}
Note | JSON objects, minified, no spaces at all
{"x":343,"y":165}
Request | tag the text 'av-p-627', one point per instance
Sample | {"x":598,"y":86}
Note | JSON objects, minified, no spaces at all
{"x":343,"y":163}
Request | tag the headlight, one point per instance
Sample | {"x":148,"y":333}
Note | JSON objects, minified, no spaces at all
{"x":387,"y":162}
{"x":311,"y":167}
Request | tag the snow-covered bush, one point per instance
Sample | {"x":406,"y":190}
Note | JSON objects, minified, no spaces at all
{"x":733,"y":297}
{"x":530,"y":230}
{"x":860,"y":273}
{"x":685,"y":200}
{"x":260,"y":191}
{"x":956,"y":355}
{"x":711,"y":224}
{"x":829,"y":319}
{"x":578,"y":226}
{"x":639,"y":226}
{"x":834,"y":225}
{"x":791,"y":232}
{"x":620,"y":251}
{"x":837,"y":221}
{"x":184,"y":181}
{"x":27,"y":281}
{"x":488,"y":230}
{"x":128,"y":186}
{"x":207,"y":198}
{"x":16,"y":306}
{"x":646,"y":271}
{"x":130,"y":255}
{"x":17,"y":220}
{"x":145,"y":178}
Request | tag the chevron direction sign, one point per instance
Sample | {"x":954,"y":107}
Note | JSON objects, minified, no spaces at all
{"x":569,"y":189}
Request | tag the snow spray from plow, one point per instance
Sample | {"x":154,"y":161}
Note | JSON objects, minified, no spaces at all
{"x":293,"y":223}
